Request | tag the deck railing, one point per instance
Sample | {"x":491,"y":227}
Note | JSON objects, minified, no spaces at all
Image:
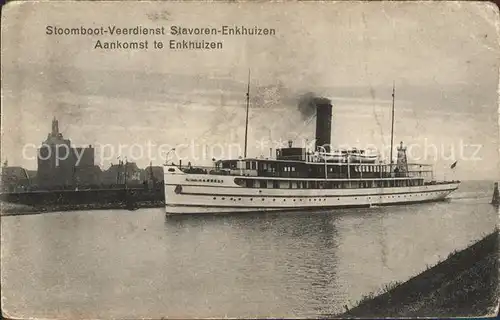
{"x":415,"y":171}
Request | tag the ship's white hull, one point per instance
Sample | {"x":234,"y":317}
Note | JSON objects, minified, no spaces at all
{"x":193,"y":194}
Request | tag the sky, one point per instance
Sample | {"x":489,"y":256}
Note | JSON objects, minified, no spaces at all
{"x":442,"y":58}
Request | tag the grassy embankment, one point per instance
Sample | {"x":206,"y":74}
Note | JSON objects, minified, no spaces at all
{"x":465,"y":284}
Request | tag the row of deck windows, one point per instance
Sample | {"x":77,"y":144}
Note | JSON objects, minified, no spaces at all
{"x":325,"y":199}
{"x":251,"y":165}
{"x":294,"y":184}
{"x":271,"y":167}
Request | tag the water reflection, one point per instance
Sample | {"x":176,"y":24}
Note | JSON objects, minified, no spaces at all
{"x":287,"y":258}
{"x":135,"y":264}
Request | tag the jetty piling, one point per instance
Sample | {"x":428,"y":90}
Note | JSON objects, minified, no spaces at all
{"x":495,"y":200}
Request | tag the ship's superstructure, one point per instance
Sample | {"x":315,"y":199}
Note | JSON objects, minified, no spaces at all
{"x":298,"y":179}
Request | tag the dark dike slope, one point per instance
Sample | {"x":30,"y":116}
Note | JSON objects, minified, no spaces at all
{"x":465,"y":284}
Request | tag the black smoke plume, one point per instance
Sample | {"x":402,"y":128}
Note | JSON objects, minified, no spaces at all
{"x":308,"y":102}
{"x":279,"y":95}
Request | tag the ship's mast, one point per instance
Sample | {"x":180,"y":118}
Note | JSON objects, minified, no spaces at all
{"x":392,"y":124}
{"x":246,"y":122}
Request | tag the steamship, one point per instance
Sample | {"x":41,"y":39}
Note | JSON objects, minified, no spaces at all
{"x":301,"y":179}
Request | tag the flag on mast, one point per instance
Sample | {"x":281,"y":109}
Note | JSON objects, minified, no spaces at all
{"x":454,"y":165}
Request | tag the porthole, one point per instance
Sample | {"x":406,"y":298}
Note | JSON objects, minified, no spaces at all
{"x":239,"y":198}
{"x":223,"y":198}
{"x":215,"y":198}
{"x":274,"y":199}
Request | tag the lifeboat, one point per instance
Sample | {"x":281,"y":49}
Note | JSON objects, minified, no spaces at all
{"x":361,"y":156}
{"x":335,"y":156}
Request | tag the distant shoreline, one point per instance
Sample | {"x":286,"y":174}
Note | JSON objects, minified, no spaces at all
{"x":463,"y":285}
{"x":9,"y":209}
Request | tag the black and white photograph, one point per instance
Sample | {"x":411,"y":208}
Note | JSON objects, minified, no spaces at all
{"x":243,"y":160}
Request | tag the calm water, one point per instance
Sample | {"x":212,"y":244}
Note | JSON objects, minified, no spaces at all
{"x":137,"y":264}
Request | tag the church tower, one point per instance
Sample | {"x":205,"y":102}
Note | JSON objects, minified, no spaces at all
{"x":55,"y":128}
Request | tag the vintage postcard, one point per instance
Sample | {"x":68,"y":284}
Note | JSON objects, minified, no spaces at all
{"x":249,"y":159}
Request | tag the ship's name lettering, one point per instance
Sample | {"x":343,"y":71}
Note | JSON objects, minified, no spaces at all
{"x":204,"y":180}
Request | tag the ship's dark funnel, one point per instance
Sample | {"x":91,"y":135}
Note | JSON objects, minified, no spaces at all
{"x":323,"y":124}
